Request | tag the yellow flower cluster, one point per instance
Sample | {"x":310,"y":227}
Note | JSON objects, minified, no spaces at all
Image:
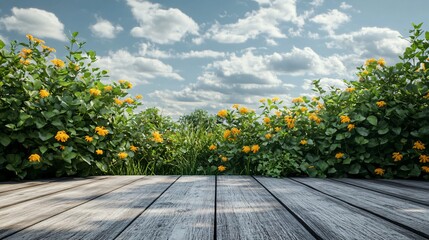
{"x":43,"y":93}
{"x":275,"y":99}
{"x":34,"y":158}
{"x":62,"y":136}
{"x":89,"y":139}
{"x":139,"y":96}
{"x":278,"y":113}
{"x":303,"y":142}
{"x":314,"y":117}
{"x":255,"y":148}
{"x":94,"y":92}
{"x":222,"y":113}
{"x":339,"y":155}
{"x":157,"y":137}
{"x":381,"y":104}
{"x":298,"y":100}
{"x":235,"y":131}
{"x":246,"y":149}
{"x":58,"y":63}
{"x":221,"y":168}
{"x":267,"y":120}
{"x":397,"y":156}
{"x":212,"y":147}
{"x":129,"y":100}
{"x":350,"y":127}
{"x":268,"y":136}
{"x":118,"y":101}
{"x":244,"y":110}
{"x":122,"y":155}
{"x":25,"y":62}
{"x":26,"y":53}
{"x":290,"y":121}
{"x":425,"y":169}
{"x":49,"y":49}
{"x":379,"y":171}
{"x":108,"y":88}
{"x":134,"y":148}
{"x":102,"y":131}
{"x":350,"y":89}
{"x":344,"y":119}
{"x":235,"y":106}
{"x":424,"y":159}
{"x":426,"y":96}
{"x":419,"y":145}
{"x":99,"y":152}
{"x":370,"y":61}
{"x":223,"y":158}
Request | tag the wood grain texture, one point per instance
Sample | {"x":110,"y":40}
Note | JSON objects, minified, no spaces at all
{"x":417,"y":195}
{"x":24,"y":194}
{"x":245,"y":210}
{"x":330,"y":218}
{"x":22,"y":215}
{"x":103,"y":217}
{"x":408,"y":183}
{"x":409,"y":214}
{"x":14,"y":185}
{"x":184,"y":211}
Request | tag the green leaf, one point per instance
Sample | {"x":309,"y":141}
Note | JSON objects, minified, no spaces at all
{"x":415,"y":172}
{"x":74,"y":34}
{"x":427,"y":36}
{"x":424,"y":130}
{"x":383,"y":131}
{"x":372,"y":120}
{"x":362,"y":131}
{"x":40,"y":123}
{"x":339,"y":137}
{"x":322,"y":165}
{"x":347,"y":161}
{"x":2,"y":44}
{"x":355,"y":168}
{"x":397,"y":130}
{"x":332,"y":170}
{"x":43,"y":149}
{"x":10,"y":167}
{"x":330,"y":131}
{"x":48,"y":115}
{"x":57,"y":123}
{"x":44,"y":136}
{"x":69,"y":156}
{"x":4,"y":139}
{"x":361,"y":140}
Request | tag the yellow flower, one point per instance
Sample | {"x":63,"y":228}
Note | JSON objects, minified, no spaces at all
{"x":122,"y":81}
{"x":25,"y":62}
{"x":43,"y":93}
{"x":350,"y":127}
{"x":62,"y":136}
{"x":224,"y":159}
{"x":122,"y":155}
{"x":267,"y":120}
{"x":350,"y":89}
{"x":108,"y":88}
{"x":314,"y":117}
{"x":99,"y":152}
{"x":246,"y":149}
{"x":379,"y":171}
{"x":320,"y":106}
{"x":102,"y":131}
{"x":303,"y":109}
{"x":262,"y":100}
{"x":34,"y":158}
{"x":235,"y":106}
{"x":30,"y":37}
{"x":118,"y":101}
{"x":57,"y":62}
{"x":339,"y":155}
{"x":425,"y":169}
{"x":212,"y":147}
{"x":227,"y":133}
{"x":275,"y":99}
{"x":222,"y":113}
{"x":370,"y":61}
{"x":268,"y":136}
{"x":88,"y":138}
{"x":129,"y":85}
{"x":303,"y":142}
{"x":424,"y":158}
{"x":49,"y":49}
{"x":381,"y":62}
{"x":134,"y":148}
{"x":298,"y":100}
{"x":39,"y":41}
{"x":278,"y":113}
{"x":244,"y":110}
{"x":26,"y":51}
{"x":290,"y":122}
{"x":235,"y":131}
{"x":94,"y":92}
{"x":157,"y":137}
{"x":139,"y":96}
{"x":364,"y":73}
{"x":277,"y":129}
{"x":255,"y":148}
{"x":344,"y":119}
{"x":419,"y":145}
{"x":397,"y":156}
{"x":381,"y":104}
{"x":62,"y":147}
{"x":221,"y":168}
{"x":129,"y":100}
{"x":426,"y":96}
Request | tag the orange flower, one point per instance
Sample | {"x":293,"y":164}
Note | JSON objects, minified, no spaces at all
{"x":425,"y":169}
{"x":34,"y":158}
{"x":424,"y":158}
{"x":298,"y":100}
{"x":134,"y":148}
{"x":108,"y":88}
{"x":339,"y":155}
{"x":88,"y":138}
{"x":303,"y":142}
{"x":212,"y":147}
{"x":397,"y":156}
{"x":381,"y":104}
{"x":379,"y":171}
{"x":255,"y":148}
{"x":102,"y":131}
{"x":58,"y":63}
{"x":221,"y":168}
{"x":244,"y":110}
{"x":246,"y":149}
{"x":43,"y":93}
{"x":344,"y":119}
{"x":129,"y":100}
{"x":350,"y":127}
{"x":226,"y":134}
{"x":62,"y":136}
{"x":419,"y":145}
{"x":222,"y":113}
{"x":94,"y":92}
{"x":268,"y":136}
{"x":99,"y":152}
{"x":122,"y":155}
{"x":267,"y":120}
{"x":235,"y":131}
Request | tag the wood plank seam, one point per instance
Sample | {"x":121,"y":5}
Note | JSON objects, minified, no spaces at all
{"x":138,"y":215}
{"x":90,"y":199}
{"x":366,"y":210}
{"x":37,"y":184}
{"x":298,"y":218}
{"x":383,"y":192}
{"x":51,"y":193}
{"x":397,"y":184}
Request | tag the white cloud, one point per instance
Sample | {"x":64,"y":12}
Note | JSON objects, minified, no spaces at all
{"x":150,"y":50}
{"x":198,"y":40}
{"x":264,"y":21}
{"x":163,"y":26}
{"x":40,"y":23}
{"x":316,"y":3}
{"x":331,"y":20}
{"x":271,"y":42}
{"x":202,"y":54}
{"x":313,"y":35}
{"x":344,"y":5}
{"x":135,"y":68}
{"x":105,"y":29}
{"x":371,"y":42}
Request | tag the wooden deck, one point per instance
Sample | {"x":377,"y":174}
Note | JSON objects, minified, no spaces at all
{"x":210,"y":207}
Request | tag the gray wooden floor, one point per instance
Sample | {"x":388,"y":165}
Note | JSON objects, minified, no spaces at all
{"x":210,"y":207}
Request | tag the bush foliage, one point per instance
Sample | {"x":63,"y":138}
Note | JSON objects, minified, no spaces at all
{"x":59,"y":118}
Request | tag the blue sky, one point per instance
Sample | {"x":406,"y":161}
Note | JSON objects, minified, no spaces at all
{"x":182,"y":55}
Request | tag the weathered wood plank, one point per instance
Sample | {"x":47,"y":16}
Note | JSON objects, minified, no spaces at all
{"x":184,"y":211}
{"x":408,"y":183}
{"x":408,"y":214}
{"x":245,"y":210}
{"x":25,"y":194}
{"x":12,"y":186}
{"x":330,"y":218}
{"x":103,"y":217}
{"x":20,"y":216}
{"x":416,"y":195}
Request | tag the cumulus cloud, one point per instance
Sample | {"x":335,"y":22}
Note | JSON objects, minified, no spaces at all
{"x":150,"y":50}
{"x":202,"y":54}
{"x":316,"y":3}
{"x":344,"y":5}
{"x":135,"y":68}
{"x":331,"y":20}
{"x":105,"y":29}
{"x":264,"y":21}
{"x":371,"y":42}
{"x":163,"y":26}
{"x":40,"y":23}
